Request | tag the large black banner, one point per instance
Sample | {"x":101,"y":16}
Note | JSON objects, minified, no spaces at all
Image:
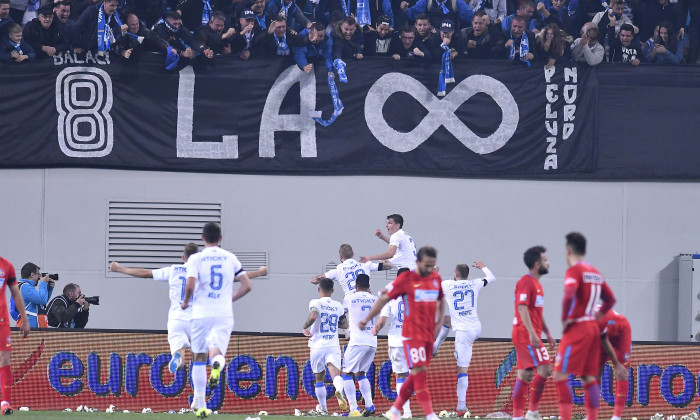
{"x":496,"y":120}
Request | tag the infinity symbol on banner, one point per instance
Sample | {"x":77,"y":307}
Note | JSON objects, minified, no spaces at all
{"x":440,"y":112}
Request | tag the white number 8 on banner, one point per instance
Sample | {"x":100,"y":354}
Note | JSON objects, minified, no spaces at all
{"x":83,"y":102}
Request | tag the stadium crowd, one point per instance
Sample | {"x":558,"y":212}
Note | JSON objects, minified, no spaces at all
{"x":524,"y":32}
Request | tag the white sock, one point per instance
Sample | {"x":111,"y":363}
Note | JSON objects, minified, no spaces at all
{"x":395,"y":411}
{"x":365,"y":390}
{"x":615,"y":418}
{"x":431,"y":416}
{"x":442,"y":335}
{"x":349,"y":386}
{"x":321,"y":395}
{"x":462,"y":385}
{"x":199,"y":382}
{"x":338,"y":383}
{"x":407,"y":404}
{"x":218,"y":358}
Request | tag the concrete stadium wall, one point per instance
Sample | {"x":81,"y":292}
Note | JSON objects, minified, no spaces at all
{"x":57,"y":219}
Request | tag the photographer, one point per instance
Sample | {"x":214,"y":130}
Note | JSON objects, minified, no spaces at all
{"x":36,"y":289}
{"x":70,"y":310}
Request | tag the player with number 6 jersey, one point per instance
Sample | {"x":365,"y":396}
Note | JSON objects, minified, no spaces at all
{"x":528,"y":325}
{"x":321,"y":326}
{"x":422,"y":296}
{"x":579,"y":349}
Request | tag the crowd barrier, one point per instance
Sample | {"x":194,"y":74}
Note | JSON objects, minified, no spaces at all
{"x":55,"y":370}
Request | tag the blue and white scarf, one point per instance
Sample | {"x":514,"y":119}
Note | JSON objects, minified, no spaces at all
{"x":17,"y":46}
{"x":206,"y":12}
{"x":171,"y":59}
{"x":337,"y":105}
{"x":284,"y":10}
{"x":340,"y":68}
{"x":261,"y":21}
{"x":524,"y":48}
{"x":481,"y":5}
{"x":33,"y":6}
{"x":363,"y":17}
{"x":346,"y":8}
{"x":282,"y":46}
{"x":104,"y":31}
{"x":445,"y":10}
{"x":447,"y":74}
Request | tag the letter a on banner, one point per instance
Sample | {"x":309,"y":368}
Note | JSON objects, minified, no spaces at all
{"x":272,"y":121}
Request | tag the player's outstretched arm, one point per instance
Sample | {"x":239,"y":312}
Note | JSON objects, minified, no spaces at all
{"x":314,"y":279}
{"x":245,"y":287}
{"x":131,"y":271}
{"x":19,"y":302}
{"x":385,"y":265}
{"x":381,"y":321}
{"x":385,"y":256}
{"x":376,"y":308}
{"x":379,"y":234}
{"x":260,"y":272}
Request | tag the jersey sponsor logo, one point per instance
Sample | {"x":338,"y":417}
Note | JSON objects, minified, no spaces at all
{"x":2,"y":273}
{"x":523,"y":297}
{"x":364,"y":300}
{"x":539,"y":301}
{"x":422,"y":295}
{"x":214,"y":258}
{"x":594,"y":278}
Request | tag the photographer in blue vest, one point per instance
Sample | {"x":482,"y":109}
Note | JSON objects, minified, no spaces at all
{"x":36,"y":289}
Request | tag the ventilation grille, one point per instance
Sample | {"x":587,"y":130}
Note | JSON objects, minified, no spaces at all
{"x":391,"y":274}
{"x":153,"y":234}
{"x":252,"y":260}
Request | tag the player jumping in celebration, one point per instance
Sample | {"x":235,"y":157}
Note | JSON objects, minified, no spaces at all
{"x":616,"y":340}
{"x":461,"y":296}
{"x":396,"y":309}
{"x":9,"y":278}
{"x":361,"y":349}
{"x":210,"y":277}
{"x":402,"y":249}
{"x":178,"y":319}
{"x":528,"y":326}
{"x":347,"y":271}
{"x":579,"y":349}
{"x":422,"y":295}
{"x":325,"y":316}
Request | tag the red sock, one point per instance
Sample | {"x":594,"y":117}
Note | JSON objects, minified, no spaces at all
{"x":592,"y":399}
{"x":565,"y":399}
{"x":422,"y":393}
{"x":6,"y":382}
{"x":519,"y":392}
{"x":621,"y":388}
{"x":405,"y":394}
{"x":536,"y":390}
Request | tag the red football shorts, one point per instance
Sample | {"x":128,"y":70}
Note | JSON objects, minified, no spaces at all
{"x":418,"y":352}
{"x":5,"y":337}
{"x":579,"y":350}
{"x":529,"y":357}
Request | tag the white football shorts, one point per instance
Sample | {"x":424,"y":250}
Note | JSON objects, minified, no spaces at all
{"x":321,"y":357}
{"x":211,"y":332}
{"x":464,"y":341}
{"x":358,"y":358}
{"x":398,"y":360}
{"x":178,"y":334}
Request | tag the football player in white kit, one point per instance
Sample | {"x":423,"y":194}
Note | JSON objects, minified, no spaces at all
{"x":178,"y":319}
{"x":361,"y":349}
{"x":325,"y":317}
{"x":462,"y":296}
{"x":210,"y":278}
{"x":402,"y":249}
{"x":347,"y":271}
{"x":396,"y":310}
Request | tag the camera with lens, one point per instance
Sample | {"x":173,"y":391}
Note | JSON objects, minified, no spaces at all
{"x":92,"y":300}
{"x":53,"y":277}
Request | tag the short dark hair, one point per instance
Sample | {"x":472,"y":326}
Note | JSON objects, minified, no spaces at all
{"x":627,"y":27}
{"x":408,"y":30}
{"x":592,"y":33}
{"x":462,"y":271}
{"x":326,"y":285}
{"x":191,"y":249}
{"x":526,"y":3}
{"x":533,"y":254}
{"x":28,"y":269}
{"x":318,"y":26}
{"x":349,"y":20}
{"x":280,"y":19}
{"x":397,"y":218}
{"x":212,"y":233}
{"x":70,"y":287}
{"x":346,"y":251}
{"x":362,"y":281}
{"x":174,"y":15}
{"x":577,"y":243}
{"x":218,"y":15}
{"x":426,"y":251}
{"x":422,"y":16}
{"x":4,"y":1}
{"x":110,"y":1}
{"x":519,"y":19}
{"x":479,"y":13}
{"x":402,"y":270}
{"x":13,"y":28}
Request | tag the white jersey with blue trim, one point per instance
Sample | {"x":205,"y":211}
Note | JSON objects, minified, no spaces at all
{"x":176,"y":276}
{"x":215,"y":269}
{"x":359,"y":305}
{"x":396,"y":310}
{"x":462,"y":298}
{"x":347,"y":271}
{"x":405,"y":255}
{"x":324,"y":331}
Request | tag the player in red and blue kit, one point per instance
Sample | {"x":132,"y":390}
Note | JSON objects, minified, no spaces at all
{"x":616,"y":340}
{"x":579,"y":349}
{"x":8,"y":278}
{"x":422,"y":295}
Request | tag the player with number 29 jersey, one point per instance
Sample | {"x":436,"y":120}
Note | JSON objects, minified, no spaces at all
{"x":324,"y":331}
